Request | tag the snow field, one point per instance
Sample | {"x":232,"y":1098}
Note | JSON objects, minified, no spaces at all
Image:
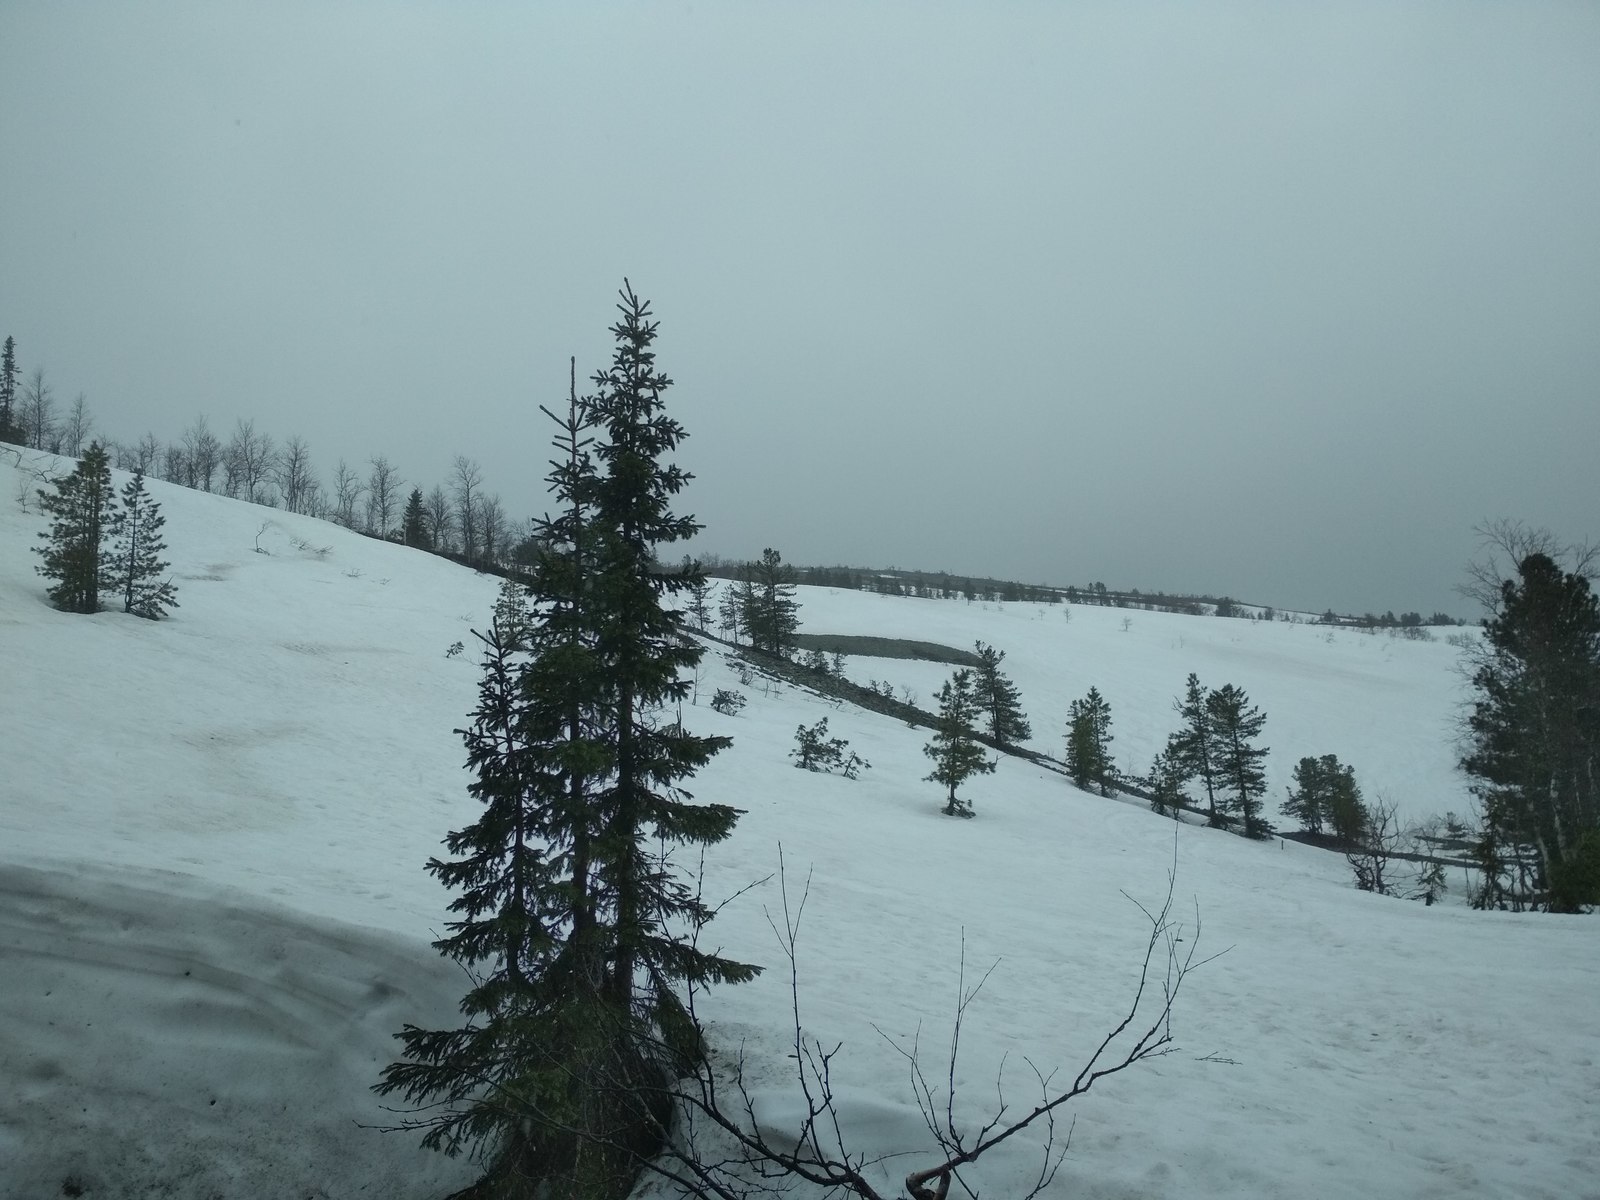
{"x":247,"y":792}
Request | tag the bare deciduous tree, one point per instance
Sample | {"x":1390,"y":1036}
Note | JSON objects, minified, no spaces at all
{"x":314,"y":500}
{"x":202,"y":453}
{"x":1504,"y":543}
{"x":75,"y":430}
{"x":437,"y":510}
{"x":383,"y":496}
{"x":466,"y":481}
{"x":146,"y":454}
{"x":347,"y":492}
{"x":1378,"y":841}
{"x":292,"y":471}
{"x":1390,"y":859}
{"x":175,"y":465}
{"x":248,"y":463}
{"x":492,"y":534}
{"x":38,"y":411}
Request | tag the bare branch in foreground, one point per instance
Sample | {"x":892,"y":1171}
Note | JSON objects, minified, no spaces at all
{"x":715,"y":1145}
{"x":819,"y":1150}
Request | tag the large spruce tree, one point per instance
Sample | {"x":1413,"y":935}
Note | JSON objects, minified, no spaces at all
{"x":81,"y":508}
{"x":998,"y":699}
{"x":575,"y":924}
{"x":643,"y":653}
{"x":483,"y":1084}
{"x":1535,"y":730}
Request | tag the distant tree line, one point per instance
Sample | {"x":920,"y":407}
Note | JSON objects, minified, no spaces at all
{"x":894,"y":582}
{"x":1411,"y":624}
{"x":942,"y":585}
{"x":459,"y":518}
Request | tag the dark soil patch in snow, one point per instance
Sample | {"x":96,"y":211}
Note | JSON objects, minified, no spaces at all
{"x":879,"y":647}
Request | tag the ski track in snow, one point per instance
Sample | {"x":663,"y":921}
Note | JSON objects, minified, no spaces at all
{"x":213,"y":916}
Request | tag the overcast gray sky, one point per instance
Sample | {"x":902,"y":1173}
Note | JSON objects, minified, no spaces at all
{"x":1271,"y":299}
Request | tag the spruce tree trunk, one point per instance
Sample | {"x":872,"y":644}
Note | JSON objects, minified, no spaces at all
{"x":133,"y":557}
{"x":623,"y":839}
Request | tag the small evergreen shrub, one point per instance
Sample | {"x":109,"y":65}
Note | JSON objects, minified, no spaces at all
{"x":815,"y":751}
{"x":1430,"y":884}
{"x":727,"y":701}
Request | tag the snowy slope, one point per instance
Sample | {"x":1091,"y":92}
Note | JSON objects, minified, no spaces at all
{"x":1384,"y":705}
{"x":212,"y":831}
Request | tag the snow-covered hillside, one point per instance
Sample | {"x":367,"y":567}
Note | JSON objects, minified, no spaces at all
{"x":1384,"y":705}
{"x":213,"y":913}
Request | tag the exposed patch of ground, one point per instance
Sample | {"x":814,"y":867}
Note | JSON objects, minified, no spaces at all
{"x":880,"y":647}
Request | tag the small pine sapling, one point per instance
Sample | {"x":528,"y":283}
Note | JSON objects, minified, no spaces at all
{"x":1166,"y":786}
{"x":135,"y":566}
{"x":1430,"y":884}
{"x":955,"y":751}
{"x":729,"y":617}
{"x":511,"y":616}
{"x":815,"y":751}
{"x":699,"y":610}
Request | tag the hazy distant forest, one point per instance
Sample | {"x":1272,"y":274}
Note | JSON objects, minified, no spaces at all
{"x":462,"y":518}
